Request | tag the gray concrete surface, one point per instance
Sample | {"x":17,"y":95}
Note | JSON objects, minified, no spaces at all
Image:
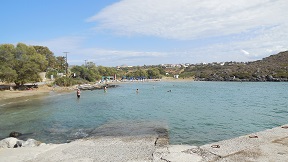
{"x":266,"y":146}
{"x":94,"y":149}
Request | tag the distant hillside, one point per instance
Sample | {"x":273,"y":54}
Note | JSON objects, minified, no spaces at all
{"x":272,"y":68}
{"x":273,"y":62}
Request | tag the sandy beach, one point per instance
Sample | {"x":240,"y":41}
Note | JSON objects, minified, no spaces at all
{"x":40,"y":91}
{"x":7,"y":94}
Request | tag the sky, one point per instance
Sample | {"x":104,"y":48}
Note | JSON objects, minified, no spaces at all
{"x":148,"y":32}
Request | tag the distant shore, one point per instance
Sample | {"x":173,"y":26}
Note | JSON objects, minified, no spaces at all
{"x":45,"y":90}
{"x":170,"y":79}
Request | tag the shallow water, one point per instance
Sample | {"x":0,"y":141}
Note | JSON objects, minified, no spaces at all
{"x":194,"y":113}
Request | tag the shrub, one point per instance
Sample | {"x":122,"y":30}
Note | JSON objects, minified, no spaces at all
{"x":65,"y":82}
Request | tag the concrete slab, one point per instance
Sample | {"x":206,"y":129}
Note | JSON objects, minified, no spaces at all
{"x":268,"y":145}
{"x":264,"y":146}
{"x":98,"y":149}
{"x":175,"y":153}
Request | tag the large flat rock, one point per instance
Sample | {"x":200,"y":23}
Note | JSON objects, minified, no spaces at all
{"x":93,"y":149}
{"x":265,"y":146}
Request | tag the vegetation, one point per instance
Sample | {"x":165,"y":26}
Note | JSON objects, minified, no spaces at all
{"x":22,"y":64}
{"x":272,"y":68}
{"x":91,"y":73}
{"x":65,"y":81}
{"x":144,"y":73}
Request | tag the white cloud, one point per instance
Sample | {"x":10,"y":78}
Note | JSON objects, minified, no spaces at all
{"x":245,"y":52}
{"x":62,"y":44}
{"x":254,"y":28}
{"x":190,"y":19}
{"x":110,"y":57}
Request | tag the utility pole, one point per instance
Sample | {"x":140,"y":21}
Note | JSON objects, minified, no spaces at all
{"x":66,"y":64}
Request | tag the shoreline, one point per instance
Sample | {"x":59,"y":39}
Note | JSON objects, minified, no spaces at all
{"x":267,"y":145}
{"x":43,"y":90}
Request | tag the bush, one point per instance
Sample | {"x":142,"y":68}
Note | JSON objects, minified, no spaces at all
{"x":65,"y":82}
{"x":51,"y":72}
{"x":187,"y":75}
{"x":80,"y":81}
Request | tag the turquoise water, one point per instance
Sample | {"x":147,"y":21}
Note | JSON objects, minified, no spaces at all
{"x":194,"y":113}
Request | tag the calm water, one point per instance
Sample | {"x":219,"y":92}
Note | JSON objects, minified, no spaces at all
{"x":194,"y":113}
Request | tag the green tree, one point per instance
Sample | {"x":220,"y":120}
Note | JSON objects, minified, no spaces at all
{"x":89,"y":73}
{"x":140,"y":73}
{"x":7,"y":73}
{"x":106,"y":71}
{"x":28,"y":64}
{"x":153,"y":73}
{"x":49,"y":56}
{"x":60,"y":64}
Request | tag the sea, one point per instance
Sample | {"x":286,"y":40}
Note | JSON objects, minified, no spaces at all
{"x":192,"y":112}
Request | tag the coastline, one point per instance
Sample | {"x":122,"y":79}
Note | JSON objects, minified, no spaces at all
{"x":45,"y":90}
{"x":41,"y":91}
{"x":267,"y":145}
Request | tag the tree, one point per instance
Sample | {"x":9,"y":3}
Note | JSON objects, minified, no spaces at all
{"x":90,"y":65}
{"x":49,"y":56}
{"x":88,"y":72}
{"x":28,"y":64}
{"x":140,"y":73}
{"x":7,"y":73}
{"x":106,"y":71}
{"x":60,"y":64}
{"x":153,"y":73}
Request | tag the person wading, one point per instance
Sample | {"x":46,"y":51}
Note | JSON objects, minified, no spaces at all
{"x":78,"y":93}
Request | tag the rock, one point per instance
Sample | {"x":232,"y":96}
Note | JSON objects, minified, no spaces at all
{"x":12,"y":142}
{"x":15,"y":134}
{"x":19,"y":143}
{"x":31,"y":143}
{"x":8,"y":142}
{"x":43,"y":144}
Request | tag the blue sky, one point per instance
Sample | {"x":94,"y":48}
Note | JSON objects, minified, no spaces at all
{"x":148,"y":32}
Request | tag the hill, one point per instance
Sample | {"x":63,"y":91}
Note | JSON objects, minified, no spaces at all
{"x":272,"y":68}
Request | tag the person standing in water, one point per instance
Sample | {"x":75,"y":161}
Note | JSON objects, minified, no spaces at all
{"x":78,"y":93}
{"x":105,"y":89}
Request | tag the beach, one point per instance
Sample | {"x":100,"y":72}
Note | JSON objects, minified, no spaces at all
{"x":42,"y":90}
{"x":13,"y":94}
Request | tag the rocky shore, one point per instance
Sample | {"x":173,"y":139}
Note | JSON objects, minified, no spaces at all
{"x":268,"y":145}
